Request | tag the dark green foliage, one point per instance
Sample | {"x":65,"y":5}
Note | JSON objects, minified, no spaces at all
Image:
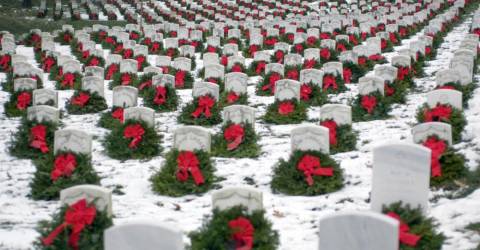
{"x":216,"y":234}
{"x":264,"y":81}
{"x":357,"y":71}
{"x":107,"y":121}
{"x":457,"y":121}
{"x":242,"y":99}
{"x":380,"y":111}
{"x":42,"y":186}
{"x":95,"y":104}
{"x":10,"y":107}
{"x":298,"y":115}
{"x":117,"y":146}
{"x":142,"y":79}
{"x":188,"y":80}
{"x":340,"y":85}
{"x":247,"y":149}
{"x":20,"y":144}
{"x":117,"y":80}
{"x":165,"y":182}
{"x":77,"y":84}
{"x":419,"y":225}
{"x":7,"y":85}
{"x":346,"y":140}
{"x":91,"y":236}
{"x":187,"y":118}
{"x":251,"y":70}
{"x":289,"y":180}
{"x":399,"y":96}
{"x":317,"y":97}
{"x":170,"y":103}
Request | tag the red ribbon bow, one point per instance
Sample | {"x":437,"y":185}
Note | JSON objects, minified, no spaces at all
{"x":118,"y":114}
{"x":68,"y":80}
{"x":38,"y":135}
{"x":325,"y":53}
{"x":155,"y":47}
{"x":369,"y":102}
{"x":77,"y":216}
{"x":375,"y":57}
{"x":252,"y":49}
{"x":299,"y":48}
{"x":234,"y":136}
{"x":260,"y":67}
{"x":362,"y":60}
{"x":134,"y":131}
{"x":126,"y":79}
{"x":279,"y":54}
{"x":332,"y":130}
{"x":341,"y":47}
{"x":145,"y":84}
{"x":270,"y":41}
{"x":112,"y":68}
{"x":324,"y":36}
{"x":170,"y":52}
{"x":438,"y":147}
{"x":347,"y":75}
{"x":140,"y":60}
{"x":242,"y":233}
{"x":94,"y":61}
{"x":274,"y":77}
{"x":389,"y":91}
{"x":310,"y":165}
{"x":81,"y":100}
{"x":205,"y":103}
{"x":63,"y":166}
{"x":353,"y":39}
{"x":67,"y":38}
{"x":187,"y":162}
{"x":285,"y":108}
{"x":292,"y":74}
{"x":211,"y":49}
{"x":305,"y":92}
{"x":393,"y":38}
{"x":237,"y":68}
{"x":402,"y":72}
{"x":383,"y":44}
{"x":127,"y":54}
{"x":180,"y":78}
{"x":329,"y":81}
{"x":405,"y":237}
{"x":311,"y":41}
{"x":23,"y":100}
{"x":5,"y":61}
{"x":232,"y":97}
{"x":85,"y":54}
{"x":160,"y":95}
{"x":438,"y":113}
{"x":309,"y":63}
{"x":48,"y":64}
{"x":224,"y":61}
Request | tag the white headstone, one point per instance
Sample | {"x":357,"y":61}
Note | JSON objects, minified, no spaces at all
{"x":191,"y":138}
{"x":310,"y":137}
{"x":229,"y":197}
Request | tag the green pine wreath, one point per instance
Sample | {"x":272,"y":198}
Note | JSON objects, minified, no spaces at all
{"x":117,"y":80}
{"x":265,"y":81}
{"x":357,"y":71}
{"x":20,"y":144}
{"x":7,"y":85}
{"x":188,"y":81}
{"x":251,"y":69}
{"x":95,"y":104}
{"x":117,"y":146}
{"x":171,"y":101}
{"x":43,"y":188}
{"x":147,"y":77}
{"x":289,"y":180}
{"x":380,"y":112}
{"x":457,"y":121}
{"x":77,"y":84}
{"x":419,"y":225}
{"x":400,"y":91}
{"x":297,"y":116}
{"x":187,"y":118}
{"x":242,"y":99}
{"x":249,"y":147}
{"x":107,"y":121}
{"x":340,"y":85}
{"x":216,"y":234}
{"x":91,"y":236}
{"x":346,"y":139}
{"x":10,"y":107}
{"x":165,"y":181}
{"x":317,"y":96}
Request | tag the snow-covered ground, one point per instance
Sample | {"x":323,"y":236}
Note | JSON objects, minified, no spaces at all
{"x":296,"y":218}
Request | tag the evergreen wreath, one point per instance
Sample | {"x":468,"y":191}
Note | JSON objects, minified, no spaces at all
{"x":333,"y":84}
{"x":231,"y":98}
{"x":455,"y":118}
{"x":355,"y":70}
{"x":64,"y":38}
{"x":25,"y":145}
{"x":91,"y":236}
{"x":312,"y":94}
{"x":294,"y":112}
{"x":217,"y":234}
{"x":218,"y":81}
{"x":168,"y":182}
{"x":94,"y":61}
{"x":183,"y":79}
{"x":417,"y":224}
{"x":123,"y":79}
{"x":161,"y":98}
{"x":343,"y":139}
{"x":108,"y":119}
{"x":256,"y":68}
{"x":289,"y":179}
{"x":396,"y":92}
{"x":69,"y":81}
{"x":18,"y":103}
{"x":248,"y":147}
{"x":379,"y":108}
{"x":132,"y":140}
{"x":266,"y":85}
{"x":85,"y":102}
{"x":43,"y":185}
{"x":144,"y":83}
{"x":186,"y":116}
{"x":7,"y":85}
{"x":292,"y":72}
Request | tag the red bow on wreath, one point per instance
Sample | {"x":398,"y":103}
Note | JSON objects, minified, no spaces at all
{"x":234,"y":136}
{"x":48,"y":64}
{"x":389,"y":91}
{"x":160,"y":95}
{"x":279,"y":54}
{"x":325,"y":53}
{"x":305,"y":92}
{"x":155,"y":47}
{"x":290,"y":37}
{"x":341,"y":47}
{"x":224,"y":61}
{"x":211,"y":49}
{"x":368,"y":103}
{"x":118,"y":114}
{"x":127,"y":54}
{"x":383,"y":44}
{"x":180,"y":79}
{"x":292,"y":74}
{"x":134,"y":131}
{"x":260,"y":67}
{"x":140,"y":60}
{"x":405,"y":237}
{"x":126,"y":79}
{"x":375,"y":57}
{"x":393,"y":38}
{"x":274,"y":77}
{"x":402,"y":72}
{"x":252,"y":49}
{"x":242,"y":233}
{"x":67,"y":38}
{"x":63,"y":166}
{"x":270,"y":41}
{"x":94,"y":61}
{"x":285,"y":108}
{"x":324,"y":36}
{"x":299,"y":48}
{"x":438,"y":147}
{"x":81,"y":100}
{"x":212,"y":80}
{"x":68,"y":80}
{"x":438,"y":113}
{"x":145,"y":84}
{"x":23,"y":100}
{"x":332,"y":130}
{"x":38,"y":135}
{"x":232,"y":97}
{"x":428,"y":50}
{"x":362,"y":60}
{"x":347,"y":75}
{"x":237,"y":68}
{"x":77,"y":217}
{"x":85,"y":54}
{"x":309,"y":63}
{"x":110,"y":71}
{"x":310,"y":165}
{"x":5,"y":61}
{"x":329,"y":81}
{"x":170,"y":52}
{"x":311,"y":40}
{"x":165,"y":69}
{"x":205,"y":103}
{"x":187,"y":162}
